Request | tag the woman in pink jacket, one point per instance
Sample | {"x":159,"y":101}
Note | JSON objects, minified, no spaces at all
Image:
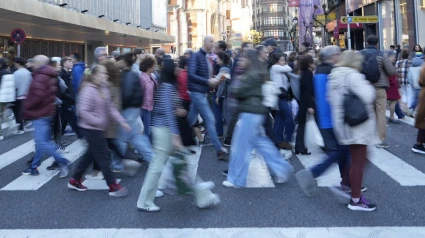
{"x":94,"y":109}
{"x":147,"y":66}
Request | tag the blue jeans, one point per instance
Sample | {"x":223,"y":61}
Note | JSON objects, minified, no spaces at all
{"x":284,"y":122}
{"x":139,"y":140}
{"x":218,"y":114}
{"x":415,"y":98}
{"x":146,"y":119}
{"x":43,"y":142}
{"x":201,"y":106}
{"x":398,"y":111}
{"x":248,"y":135}
{"x":335,"y":154}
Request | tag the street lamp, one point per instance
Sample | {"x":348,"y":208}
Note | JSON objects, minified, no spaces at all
{"x":293,"y":33}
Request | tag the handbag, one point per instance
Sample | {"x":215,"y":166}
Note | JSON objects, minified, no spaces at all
{"x":355,"y":112}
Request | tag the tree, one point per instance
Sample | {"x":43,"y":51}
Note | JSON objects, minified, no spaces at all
{"x":256,"y":37}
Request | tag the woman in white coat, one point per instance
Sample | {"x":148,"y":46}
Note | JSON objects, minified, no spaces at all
{"x":343,"y":79}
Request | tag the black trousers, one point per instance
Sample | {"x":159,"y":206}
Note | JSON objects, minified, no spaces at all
{"x":231,"y":126}
{"x":17,"y":112}
{"x":68,"y":116}
{"x":268,"y":126}
{"x":98,"y":152}
{"x":299,"y":141}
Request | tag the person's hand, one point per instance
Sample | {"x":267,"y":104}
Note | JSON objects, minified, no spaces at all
{"x":126,"y":126}
{"x":181,"y":112}
{"x":216,"y":100}
{"x":213,"y":82}
{"x":141,"y":56}
{"x":310,"y":110}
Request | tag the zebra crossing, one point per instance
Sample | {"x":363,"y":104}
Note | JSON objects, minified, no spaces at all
{"x":258,"y":176}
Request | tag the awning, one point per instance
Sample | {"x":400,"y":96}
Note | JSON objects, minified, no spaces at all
{"x":45,"y":21}
{"x":331,"y":26}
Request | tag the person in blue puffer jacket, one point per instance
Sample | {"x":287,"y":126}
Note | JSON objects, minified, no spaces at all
{"x":77,"y":72}
{"x":200,"y":77}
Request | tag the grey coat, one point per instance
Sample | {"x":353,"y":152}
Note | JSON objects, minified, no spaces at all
{"x":340,"y":81}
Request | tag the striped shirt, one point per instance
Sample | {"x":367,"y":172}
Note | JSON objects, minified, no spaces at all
{"x":165,"y":104}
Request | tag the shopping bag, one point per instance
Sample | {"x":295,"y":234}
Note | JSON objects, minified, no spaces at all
{"x":312,"y":136}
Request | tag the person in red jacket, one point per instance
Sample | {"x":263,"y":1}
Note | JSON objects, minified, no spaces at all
{"x":40,"y":108}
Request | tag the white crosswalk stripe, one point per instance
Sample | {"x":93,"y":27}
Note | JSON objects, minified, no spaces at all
{"x":258,"y":175}
{"x":25,"y":182}
{"x":305,"y":232}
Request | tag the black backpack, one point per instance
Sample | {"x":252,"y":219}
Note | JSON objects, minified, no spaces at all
{"x":371,"y":66}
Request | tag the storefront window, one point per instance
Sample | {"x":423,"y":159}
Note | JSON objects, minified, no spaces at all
{"x":406,"y":24}
{"x":387,"y":24}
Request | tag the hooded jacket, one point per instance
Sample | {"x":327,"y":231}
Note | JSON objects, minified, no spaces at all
{"x":341,"y":81}
{"x":41,"y":96}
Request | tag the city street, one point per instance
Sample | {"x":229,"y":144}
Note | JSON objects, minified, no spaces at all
{"x":43,"y":206}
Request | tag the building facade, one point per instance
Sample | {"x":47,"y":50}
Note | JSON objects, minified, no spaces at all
{"x":191,"y":21}
{"x":62,"y":27}
{"x":272,"y":19}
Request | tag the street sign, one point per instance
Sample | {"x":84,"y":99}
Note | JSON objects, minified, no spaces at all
{"x":18,"y":36}
{"x":360,"y":19}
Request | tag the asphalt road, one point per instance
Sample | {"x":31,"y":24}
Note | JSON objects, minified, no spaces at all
{"x":54,"y":206}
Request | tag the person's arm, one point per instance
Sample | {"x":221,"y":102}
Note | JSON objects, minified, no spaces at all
{"x":388,"y":66}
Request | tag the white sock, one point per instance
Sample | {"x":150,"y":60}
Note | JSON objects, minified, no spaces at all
{"x":355,"y":200}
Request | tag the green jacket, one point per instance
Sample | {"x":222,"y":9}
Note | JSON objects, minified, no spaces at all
{"x":249,"y":93}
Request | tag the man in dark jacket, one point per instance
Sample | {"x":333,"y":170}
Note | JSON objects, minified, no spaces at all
{"x":40,"y":108}
{"x":200,"y":74}
{"x":271,"y":45}
{"x":132,"y":100}
{"x":386,"y":68}
{"x":67,"y":112}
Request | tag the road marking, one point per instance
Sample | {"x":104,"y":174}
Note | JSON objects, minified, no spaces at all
{"x":305,"y":232}
{"x":402,"y":172}
{"x":26,"y":182}
{"x":15,"y":154}
{"x":258,"y":173}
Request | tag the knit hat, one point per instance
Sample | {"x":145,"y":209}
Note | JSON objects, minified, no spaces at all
{"x":271,"y":42}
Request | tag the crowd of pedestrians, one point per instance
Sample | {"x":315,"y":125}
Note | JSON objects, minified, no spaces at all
{"x":250,"y":100}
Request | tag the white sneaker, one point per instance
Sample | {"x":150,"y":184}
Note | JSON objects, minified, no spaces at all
{"x":95,"y":175}
{"x":1,"y":137}
{"x":63,"y":150}
{"x":228,"y":184}
{"x":159,"y":194}
{"x":20,"y":132}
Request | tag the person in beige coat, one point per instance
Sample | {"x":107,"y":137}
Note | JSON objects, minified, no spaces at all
{"x":344,"y":78}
